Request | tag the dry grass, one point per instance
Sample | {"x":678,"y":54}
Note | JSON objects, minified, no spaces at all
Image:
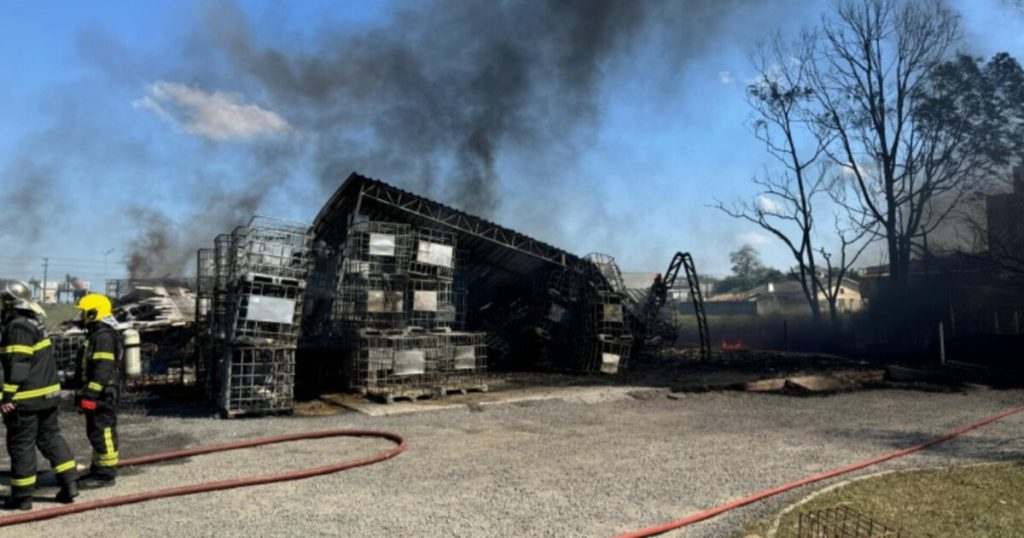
{"x":968,"y":501}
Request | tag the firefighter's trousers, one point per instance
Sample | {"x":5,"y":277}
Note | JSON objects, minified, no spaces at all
{"x":101,"y":428}
{"x":27,"y":430}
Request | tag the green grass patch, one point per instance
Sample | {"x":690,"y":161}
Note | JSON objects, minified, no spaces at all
{"x":968,"y":501}
{"x":56,"y":313}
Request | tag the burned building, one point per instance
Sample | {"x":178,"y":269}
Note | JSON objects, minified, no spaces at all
{"x":394,"y":295}
{"x":410,"y":272}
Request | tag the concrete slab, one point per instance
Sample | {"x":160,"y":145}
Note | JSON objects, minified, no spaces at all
{"x":570,"y":394}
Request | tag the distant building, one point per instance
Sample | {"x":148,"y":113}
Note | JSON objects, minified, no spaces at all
{"x":1005,"y":213}
{"x":49,"y":294}
{"x":785,"y":297}
{"x":638,"y":284}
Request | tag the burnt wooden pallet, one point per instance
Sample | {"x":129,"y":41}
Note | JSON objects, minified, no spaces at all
{"x":390,"y":395}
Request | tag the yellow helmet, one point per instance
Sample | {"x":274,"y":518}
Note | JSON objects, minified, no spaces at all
{"x":94,"y":307}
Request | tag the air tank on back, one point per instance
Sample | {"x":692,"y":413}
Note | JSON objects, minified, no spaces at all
{"x":132,"y":353}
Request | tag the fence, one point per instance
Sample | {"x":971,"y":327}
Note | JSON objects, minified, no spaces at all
{"x":842,"y":522}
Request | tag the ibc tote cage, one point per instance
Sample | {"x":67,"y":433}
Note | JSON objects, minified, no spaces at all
{"x":373,"y":249}
{"x":256,"y":379}
{"x":465,"y":361}
{"x":258,"y":276}
{"x":433,"y":304}
{"x":433,"y":254}
{"x":376,"y":302}
{"x":389,"y":366}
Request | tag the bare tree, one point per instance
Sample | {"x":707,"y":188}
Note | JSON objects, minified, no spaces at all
{"x":871,"y":61}
{"x":785,"y":118}
{"x":851,"y":237}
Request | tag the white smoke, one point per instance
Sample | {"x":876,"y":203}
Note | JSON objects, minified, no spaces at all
{"x":217,"y":115}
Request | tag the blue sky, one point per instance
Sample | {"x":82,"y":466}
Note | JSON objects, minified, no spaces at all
{"x":88,"y":107}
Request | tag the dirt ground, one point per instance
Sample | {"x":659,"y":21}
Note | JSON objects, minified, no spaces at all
{"x":671,"y":370}
{"x":563,"y":466}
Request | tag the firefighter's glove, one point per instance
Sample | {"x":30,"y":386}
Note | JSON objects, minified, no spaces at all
{"x":87,"y":405}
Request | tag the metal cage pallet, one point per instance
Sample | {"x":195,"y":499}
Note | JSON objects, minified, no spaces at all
{"x":253,"y":281}
{"x":606,"y":314}
{"x":395,"y":365}
{"x":434,"y":255}
{"x":206,"y":279}
{"x":65,"y":352}
{"x":265,"y":313}
{"x":376,"y":248}
{"x":431,"y":304}
{"x":606,"y":354}
{"x":377,"y":302}
{"x":464,"y":365}
{"x":222,"y":261}
{"x":256,"y":380}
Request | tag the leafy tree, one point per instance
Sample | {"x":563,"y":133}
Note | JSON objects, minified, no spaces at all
{"x":746,"y":261}
{"x":747,"y":272}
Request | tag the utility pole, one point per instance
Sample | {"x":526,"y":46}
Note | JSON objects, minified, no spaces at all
{"x":105,"y":254}
{"x":46,"y":266}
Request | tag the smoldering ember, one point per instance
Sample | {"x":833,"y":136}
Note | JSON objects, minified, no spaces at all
{"x":523,"y":268}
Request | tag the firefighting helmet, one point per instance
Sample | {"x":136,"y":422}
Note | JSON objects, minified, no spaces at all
{"x":94,"y":307}
{"x":16,"y":295}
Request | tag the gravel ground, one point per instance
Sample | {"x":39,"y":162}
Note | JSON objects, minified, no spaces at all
{"x":546,"y":468}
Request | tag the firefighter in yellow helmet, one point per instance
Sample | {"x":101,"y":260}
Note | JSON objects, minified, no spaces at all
{"x":30,"y":396}
{"x":99,"y":372}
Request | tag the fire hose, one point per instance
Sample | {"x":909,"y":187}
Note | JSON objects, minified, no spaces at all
{"x":707,"y":514}
{"x":76,"y":508}
{"x":400,"y":442}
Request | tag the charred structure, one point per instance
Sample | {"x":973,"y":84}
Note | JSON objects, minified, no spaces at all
{"x":389,"y":262}
{"x":394,"y":295}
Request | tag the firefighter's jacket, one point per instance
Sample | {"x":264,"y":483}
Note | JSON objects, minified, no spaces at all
{"x":29,"y":370}
{"x":99,"y":363}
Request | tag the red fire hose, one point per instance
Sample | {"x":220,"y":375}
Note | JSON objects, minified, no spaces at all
{"x":75,"y":508}
{"x":707,"y":514}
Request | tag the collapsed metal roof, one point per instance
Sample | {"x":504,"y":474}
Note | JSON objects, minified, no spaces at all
{"x":496,"y":256}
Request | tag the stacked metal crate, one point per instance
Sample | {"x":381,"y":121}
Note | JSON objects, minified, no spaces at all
{"x":66,"y":346}
{"x":206,"y":279}
{"x":395,"y":313}
{"x":258,"y":278}
{"x":577,"y":321}
{"x":604,"y":339}
{"x":431,"y":296}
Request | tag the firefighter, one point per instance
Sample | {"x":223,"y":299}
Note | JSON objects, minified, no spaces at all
{"x":99,"y":374}
{"x":30,"y":396}
{"x":659,"y":288}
